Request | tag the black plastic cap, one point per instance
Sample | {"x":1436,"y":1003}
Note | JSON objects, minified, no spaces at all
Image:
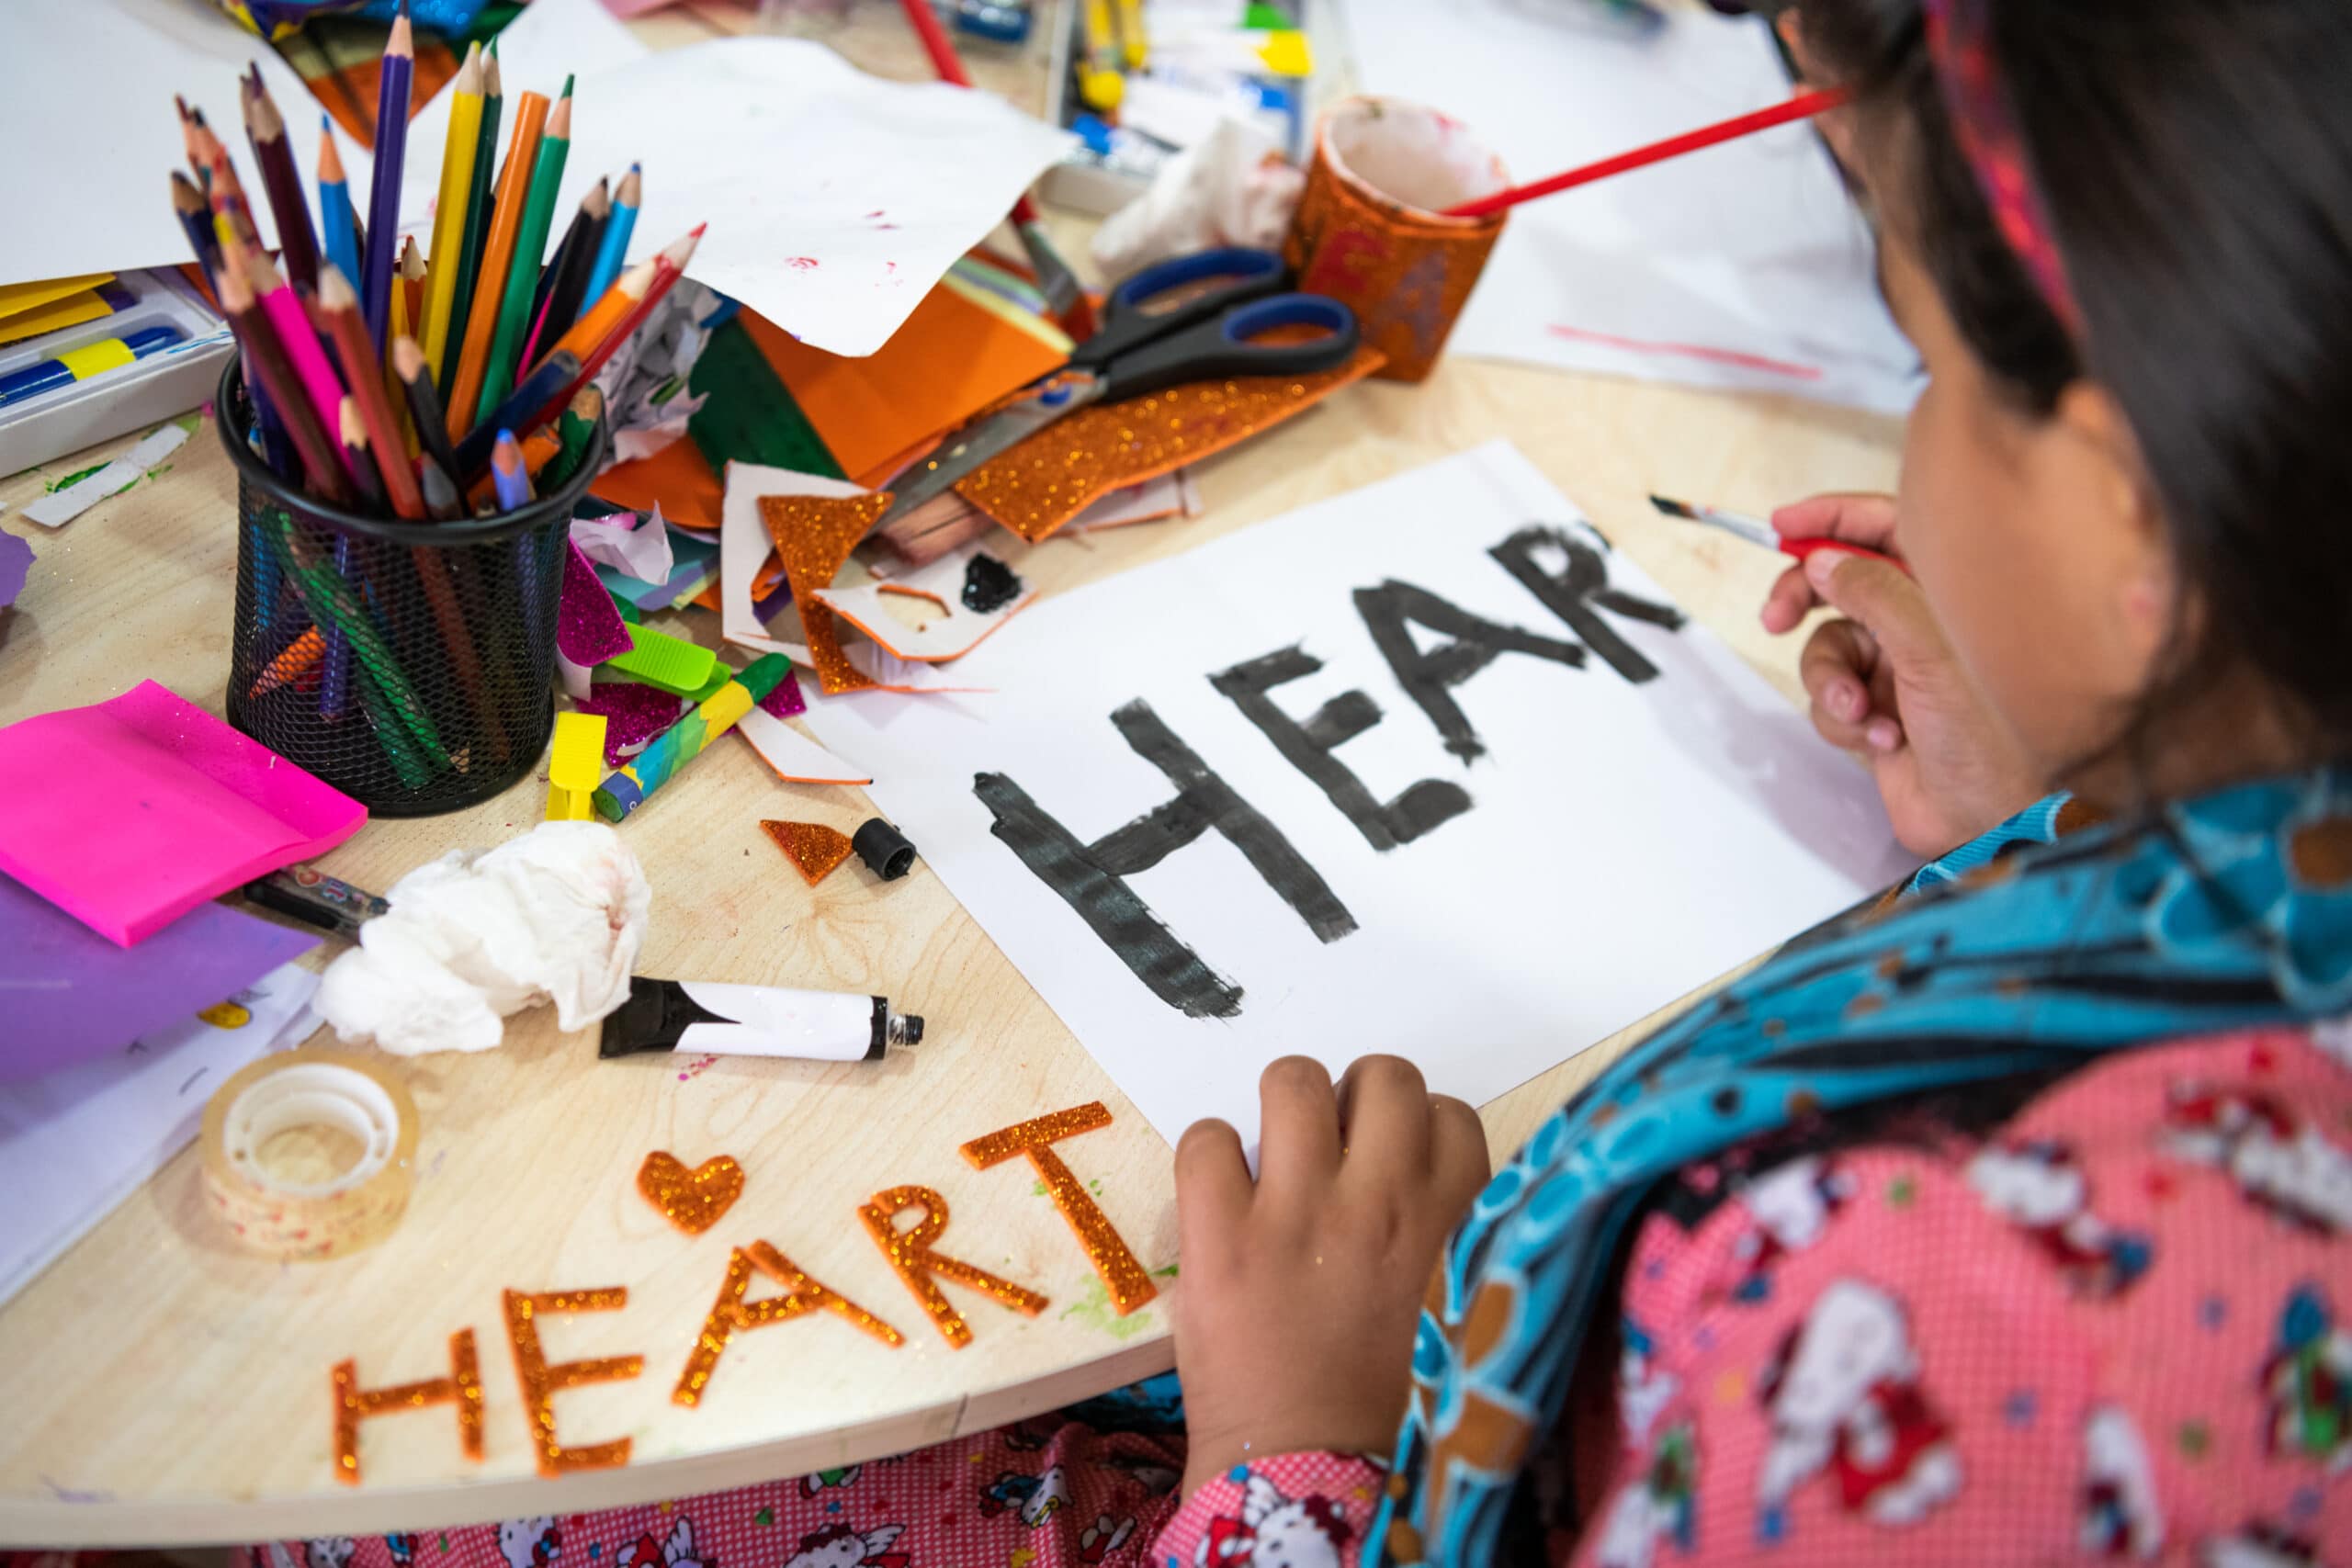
{"x":885,"y":851}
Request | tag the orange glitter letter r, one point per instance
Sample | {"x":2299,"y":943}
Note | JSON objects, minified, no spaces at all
{"x":542,"y":1382}
{"x":909,"y":1253}
{"x":354,"y":1404}
{"x":1123,"y":1278}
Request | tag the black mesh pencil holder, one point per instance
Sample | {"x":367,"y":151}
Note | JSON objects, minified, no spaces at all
{"x":411,"y":665}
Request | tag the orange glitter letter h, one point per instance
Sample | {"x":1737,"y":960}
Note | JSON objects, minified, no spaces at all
{"x":354,"y":1404}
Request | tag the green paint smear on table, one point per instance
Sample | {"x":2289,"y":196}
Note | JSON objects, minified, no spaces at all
{"x":1093,"y":1311}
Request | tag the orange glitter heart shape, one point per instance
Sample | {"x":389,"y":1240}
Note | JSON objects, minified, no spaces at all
{"x":695,"y":1199}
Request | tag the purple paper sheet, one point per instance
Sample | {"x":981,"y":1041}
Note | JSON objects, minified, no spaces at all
{"x":68,"y":994}
{"x":15,"y":559}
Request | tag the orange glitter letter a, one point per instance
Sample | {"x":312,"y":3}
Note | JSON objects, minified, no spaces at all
{"x":354,"y":1404}
{"x":542,"y":1382}
{"x":1123,"y":1278}
{"x":909,"y":1253}
{"x":730,"y":1313}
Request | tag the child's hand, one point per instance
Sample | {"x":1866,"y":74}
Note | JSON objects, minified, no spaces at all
{"x":1885,"y":686}
{"x":1295,"y":1327}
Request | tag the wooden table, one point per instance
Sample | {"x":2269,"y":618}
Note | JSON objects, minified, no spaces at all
{"x":161,"y":1386}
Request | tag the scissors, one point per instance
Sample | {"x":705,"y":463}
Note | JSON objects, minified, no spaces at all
{"x":1191,"y":319}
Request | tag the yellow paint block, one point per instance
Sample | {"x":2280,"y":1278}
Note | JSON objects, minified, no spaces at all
{"x":575,"y":763}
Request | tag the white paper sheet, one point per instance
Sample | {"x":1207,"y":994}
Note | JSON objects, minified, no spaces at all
{"x":1742,"y":266}
{"x":88,"y":86}
{"x":74,"y":1144}
{"x":835,"y":199}
{"x":1625,"y":844}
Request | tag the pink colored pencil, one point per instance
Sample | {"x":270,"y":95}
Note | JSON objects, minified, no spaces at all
{"x":284,"y":308}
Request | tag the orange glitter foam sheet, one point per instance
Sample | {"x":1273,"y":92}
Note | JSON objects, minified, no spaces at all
{"x":1064,"y":468}
{"x":813,"y":536}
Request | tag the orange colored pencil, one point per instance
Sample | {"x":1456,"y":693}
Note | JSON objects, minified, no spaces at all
{"x":497,"y":256}
{"x":300,"y":658}
{"x":598,"y":321}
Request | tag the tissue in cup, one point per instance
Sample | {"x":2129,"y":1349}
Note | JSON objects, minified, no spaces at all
{"x":1371,"y":231}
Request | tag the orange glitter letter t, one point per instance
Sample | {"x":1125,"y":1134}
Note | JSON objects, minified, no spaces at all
{"x":354,"y":1404}
{"x":1123,"y":1278}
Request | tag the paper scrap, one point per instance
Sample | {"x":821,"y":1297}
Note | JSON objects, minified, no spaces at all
{"x":630,"y":543}
{"x":952,"y":626}
{"x":589,"y":628}
{"x":1744,"y":266}
{"x":60,"y":506}
{"x":868,"y":190}
{"x":15,"y":560}
{"x":133,"y":811}
{"x":634,"y":715}
{"x":795,"y":757}
{"x":76,"y":1142}
{"x":68,"y":994}
{"x":1640,"y":810}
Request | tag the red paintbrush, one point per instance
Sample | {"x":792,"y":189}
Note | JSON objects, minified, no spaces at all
{"x":1804,"y":106}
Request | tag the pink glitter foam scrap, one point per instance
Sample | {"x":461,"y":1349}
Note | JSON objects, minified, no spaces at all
{"x":588,"y":627}
{"x":786,"y":700}
{"x":634,"y":715}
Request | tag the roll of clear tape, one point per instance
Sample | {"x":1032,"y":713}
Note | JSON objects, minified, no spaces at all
{"x":309,"y":1088}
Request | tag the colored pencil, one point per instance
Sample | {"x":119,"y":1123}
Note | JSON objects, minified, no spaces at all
{"x":610,"y":310}
{"x":1804,"y":106}
{"x":512,"y":480}
{"x":408,"y":300}
{"x":450,"y":212}
{"x":415,"y":378}
{"x":481,"y":196}
{"x":302,"y":657}
{"x":298,"y":245}
{"x":497,"y":250}
{"x":669,"y":265}
{"x":545,"y":382}
{"x":196,"y":218}
{"x":380,"y":261}
{"x":348,"y":330}
{"x":566,"y":279}
{"x":440,"y":496}
{"x":613,"y":254}
{"x":338,"y":225}
{"x":321,"y":469}
{"x":190,"y":122}
{"x":357,"y":457}
{"x":229,"y":208}
{"x":523,"y":265}
{"x":286,"y":318}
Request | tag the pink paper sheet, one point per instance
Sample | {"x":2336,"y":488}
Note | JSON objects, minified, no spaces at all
{"x":129,"y":813}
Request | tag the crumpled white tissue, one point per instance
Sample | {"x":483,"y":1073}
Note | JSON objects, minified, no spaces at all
{"x":557,"y":914}
{"x":1234,"y":187}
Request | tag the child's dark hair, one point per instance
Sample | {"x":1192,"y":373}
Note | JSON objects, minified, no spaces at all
{"x":2195,"y":157}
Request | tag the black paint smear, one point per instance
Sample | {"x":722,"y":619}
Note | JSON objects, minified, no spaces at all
{"x":1572,"y":590}
{"x":1389,"y":613}
{"x":1309,"y":747}
{"x":1092,"y":878}
{"x":989,"y":584}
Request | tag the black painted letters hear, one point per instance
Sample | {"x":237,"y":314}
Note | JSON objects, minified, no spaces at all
{"x":1577,"y":583}
{"x":1392,"y":610}
{"x":1092,"y":878}
{"x":1310,"y":746}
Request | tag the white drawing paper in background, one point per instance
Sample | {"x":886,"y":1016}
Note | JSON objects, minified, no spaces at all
{"x":88,"y":86}
{"x":835,"y":199}
{"x":1623,"y":842}
{"x":1745,"y":266}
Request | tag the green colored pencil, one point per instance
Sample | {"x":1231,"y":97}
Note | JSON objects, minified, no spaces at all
{"x":530,"y":250}
{"x":480,"y":198}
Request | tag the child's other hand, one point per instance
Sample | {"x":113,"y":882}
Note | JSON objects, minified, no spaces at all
{"x":1295,"y":1327}
{"x":1885,"y":686}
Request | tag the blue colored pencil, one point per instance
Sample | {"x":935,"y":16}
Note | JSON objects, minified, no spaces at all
{"x":613,"y":254}
{"x":398,"y":75}
{"x":338,"y":224}
{"x":510,"y":478}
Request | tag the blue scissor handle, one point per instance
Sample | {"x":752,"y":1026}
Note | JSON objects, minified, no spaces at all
{"x":1130,"y":317}
{"x":1226,"y":346}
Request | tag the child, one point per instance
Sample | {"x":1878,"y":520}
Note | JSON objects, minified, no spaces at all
{"x":1894,"y":1252}
{"x":2007,"y":1224}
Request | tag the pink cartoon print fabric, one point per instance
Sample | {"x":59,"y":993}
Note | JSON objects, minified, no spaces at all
{"x":2119,"y":1327}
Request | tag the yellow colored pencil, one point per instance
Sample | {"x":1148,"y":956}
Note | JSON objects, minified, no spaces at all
{"x":449,"y":213}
